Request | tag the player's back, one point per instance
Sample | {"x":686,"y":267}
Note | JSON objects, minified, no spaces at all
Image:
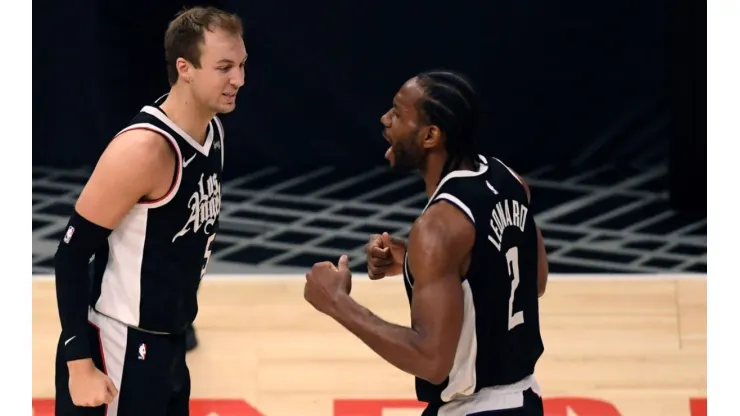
{"x":500,"y":341}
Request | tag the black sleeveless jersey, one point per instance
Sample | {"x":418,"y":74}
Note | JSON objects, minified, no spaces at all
{"x":148,"y":275}
{"x":500,"y":341}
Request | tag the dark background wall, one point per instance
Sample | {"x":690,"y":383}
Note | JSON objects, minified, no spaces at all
{"x":576,"y":82}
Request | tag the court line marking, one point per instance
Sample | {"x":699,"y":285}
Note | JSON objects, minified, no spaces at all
{"x":267,"y":277}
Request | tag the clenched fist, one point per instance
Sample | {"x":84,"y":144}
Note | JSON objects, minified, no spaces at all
{"x":384,"y":256}
{"x":326,"y":282}
{"x":88,"y":386}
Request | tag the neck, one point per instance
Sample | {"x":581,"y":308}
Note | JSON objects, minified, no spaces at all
{"x":185,"y":111}
{"x":432,"y":172}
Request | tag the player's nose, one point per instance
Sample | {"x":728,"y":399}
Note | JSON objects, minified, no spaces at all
{"x":385,"y":119}
{"x":237,"y":81}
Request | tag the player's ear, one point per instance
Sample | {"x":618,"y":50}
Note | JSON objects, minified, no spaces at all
{"x":183,"y":69}
{"x":432,"y":137}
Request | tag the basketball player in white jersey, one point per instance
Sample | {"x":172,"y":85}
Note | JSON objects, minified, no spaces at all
{"x":149,"y":215}
{"x":474,"y":267}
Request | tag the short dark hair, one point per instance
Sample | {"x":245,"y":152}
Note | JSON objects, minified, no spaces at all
{"x":186,"y":32}
{"x":450,"y":102}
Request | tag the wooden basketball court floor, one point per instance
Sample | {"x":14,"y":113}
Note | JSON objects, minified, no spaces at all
{"x":637,"y":344}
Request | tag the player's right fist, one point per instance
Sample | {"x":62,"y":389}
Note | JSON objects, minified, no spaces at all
{"x":384,"y":256}
{"x":88,"y":386}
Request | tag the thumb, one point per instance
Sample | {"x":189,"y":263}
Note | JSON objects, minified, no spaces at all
{"x":386,"y":239}
{"x":343,"y":262}
{"x":111,"y":387}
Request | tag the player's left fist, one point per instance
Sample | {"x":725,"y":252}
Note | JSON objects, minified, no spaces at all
{"x":325,"y":283}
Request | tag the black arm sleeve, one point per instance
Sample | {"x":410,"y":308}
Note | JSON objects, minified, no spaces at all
{"x":71,"y":261}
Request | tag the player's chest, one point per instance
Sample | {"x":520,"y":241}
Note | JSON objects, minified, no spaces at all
{"x":199,"y":194}
{"x":197,"y":206}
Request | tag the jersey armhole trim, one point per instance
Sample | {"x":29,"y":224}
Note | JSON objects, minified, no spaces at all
{"x":462,"y":207}
{"x":458,"y":203}
{"x":175,"y":185}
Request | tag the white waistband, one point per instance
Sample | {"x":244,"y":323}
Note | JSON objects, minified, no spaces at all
{"x":510,"y":396}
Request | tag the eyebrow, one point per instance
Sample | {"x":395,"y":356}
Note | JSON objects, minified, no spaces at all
{"x":229,"y":61}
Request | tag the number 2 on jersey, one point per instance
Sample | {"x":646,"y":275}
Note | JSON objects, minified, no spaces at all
{"x":207,"y":255}
{"x":512,"y":261}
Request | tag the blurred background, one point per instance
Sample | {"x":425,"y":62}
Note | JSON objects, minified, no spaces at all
{"x":600,"y":106}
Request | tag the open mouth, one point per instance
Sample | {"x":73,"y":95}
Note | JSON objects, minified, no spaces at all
{"x":390,"y":148}
{"x":385,"y":136}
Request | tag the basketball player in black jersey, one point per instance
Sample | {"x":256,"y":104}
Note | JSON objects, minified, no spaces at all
{"x":474,"y":267}
{"x":148,"y":215}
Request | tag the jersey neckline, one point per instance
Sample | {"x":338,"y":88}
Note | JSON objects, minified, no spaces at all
{"x":204,"y":149}
{"x":462,"y":173}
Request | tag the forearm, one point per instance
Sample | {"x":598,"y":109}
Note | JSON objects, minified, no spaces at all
{"x":400,"y":346}
{"x":71,"y":263}
{"x":72,"y":305}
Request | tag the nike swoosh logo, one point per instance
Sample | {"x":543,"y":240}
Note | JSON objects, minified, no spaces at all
{"x":68,"y":341}
{"x":488,"y":184}
{"x":185,"y":163}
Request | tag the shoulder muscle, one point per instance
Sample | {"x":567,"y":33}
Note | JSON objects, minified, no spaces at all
{"x":441,"y":239}
{"x":129,"y":169}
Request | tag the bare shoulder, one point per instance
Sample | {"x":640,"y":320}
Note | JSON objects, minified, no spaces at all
{"x":139,"y":152}
{"x":443,"y":235}
{"x":445,"y":220}
{"x":133,"y":165}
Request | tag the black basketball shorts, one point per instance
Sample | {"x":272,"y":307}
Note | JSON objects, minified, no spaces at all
{"x":519,"y":399}
{"x":149,"y":371}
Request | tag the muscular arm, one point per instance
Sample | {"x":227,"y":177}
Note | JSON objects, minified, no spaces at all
{"x":438,"y":246}
{"x":133,"y":166}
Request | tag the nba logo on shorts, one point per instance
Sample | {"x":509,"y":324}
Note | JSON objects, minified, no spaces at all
{"x":142,"y":352}
{"x":68,"y":235}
